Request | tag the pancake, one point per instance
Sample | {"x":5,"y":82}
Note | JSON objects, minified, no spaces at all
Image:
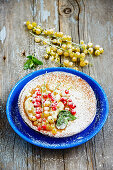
{"x":57,"y":104}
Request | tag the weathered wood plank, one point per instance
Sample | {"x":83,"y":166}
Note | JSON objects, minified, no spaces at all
{"x":101,"y":14}
{"x":5,"y":129}
{"x":85,"y":35}
{"x":68,"y":19}
{"x":96,"y":16}
{"x":74,"y":158}
{"x":92,"y":158}
{"x":15,"y":40}
{"x":51,"y":159}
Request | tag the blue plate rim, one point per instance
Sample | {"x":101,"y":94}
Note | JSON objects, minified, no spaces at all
{"x":52,"y":69}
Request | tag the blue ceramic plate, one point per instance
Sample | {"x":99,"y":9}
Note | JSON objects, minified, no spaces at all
{"x":41,"y":140}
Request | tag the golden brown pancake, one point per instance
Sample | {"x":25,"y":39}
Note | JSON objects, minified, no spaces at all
{"x":57,"y":104}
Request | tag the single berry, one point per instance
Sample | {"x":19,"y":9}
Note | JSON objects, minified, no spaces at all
{"x":64,"y":102}
{"x":38,"y":99}
{"x":52,"y":99}
{"x":73,"y":112}
{"x":38,"y":104}
{"x":45,"y":96}
{"x":44,"y":127}
{"x":38,"y":116}
{"x":71,"y":105}
{"x":54,"y":108}
{"x":69,"y":100}
{"x":49,"y":95}
{"x":62,"y":99}
{"x":67,"y":91}
{"x":39,"y":128}
{"x":33,"y":101}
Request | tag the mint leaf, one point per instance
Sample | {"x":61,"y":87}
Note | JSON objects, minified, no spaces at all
{"x":67,"y":114}
{"x":63,"y":117}
{"x":32,"y":62}
{"x":30,"y":56}
{"x":36,"y":61}
{"x":31,"y":65}
{"x":27,"y":64}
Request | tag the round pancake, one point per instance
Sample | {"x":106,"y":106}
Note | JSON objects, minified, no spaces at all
{"x":81,"y":93}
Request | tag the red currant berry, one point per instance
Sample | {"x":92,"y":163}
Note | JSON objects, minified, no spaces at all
{"x":38,"y":99}
{"x":38,"y":116}
{"x":69,"y":100}
{"x":63,"y":99}
{"x":54,"y":108}
{"x":44,"y":127}
{"x":45,"y":96}
{"x":67,"y":91}
{"x":64,"y":102}
{"x":49,"y":95}
{"x":52,"y":99}
{"x":39,"y":128}
{"x":73,"y":112}
{"x":33,"y":101}
{"x":74,"y":106}
{"x":38,"y":112}
{"x":38,"y":104}
{"x":71,"y":105}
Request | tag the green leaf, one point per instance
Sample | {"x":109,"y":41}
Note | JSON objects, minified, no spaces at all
{"x":61,"y":122}
{"x":63,"y":117}
{"x":32,"y":62}
{"x":36,"y":61}
{"x":67,"y":114}
{"x":31,"y":65}
{"x":34,"y":66}
{"x":27,"y":64}
{"x":30,"y":56}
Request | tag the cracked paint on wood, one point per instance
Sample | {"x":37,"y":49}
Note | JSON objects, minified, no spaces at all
{"x":45,"y":12}
{"x":3,"y":34}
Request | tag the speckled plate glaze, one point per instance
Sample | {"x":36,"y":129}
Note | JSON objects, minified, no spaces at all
{"x":33,"y":137}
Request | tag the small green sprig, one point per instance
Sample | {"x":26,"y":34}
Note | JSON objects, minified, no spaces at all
{"x":32,"y":62}
{"x":63,"y":117}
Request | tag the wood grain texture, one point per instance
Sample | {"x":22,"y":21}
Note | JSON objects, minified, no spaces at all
{"x":68,"y":19}
{"x":74,"y":158}
{"x":13,"y":15}
{"x":102,"y":73}
{"x":89,"y":20}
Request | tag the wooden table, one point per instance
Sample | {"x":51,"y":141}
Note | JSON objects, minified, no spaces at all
{"x":90,"y":20}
